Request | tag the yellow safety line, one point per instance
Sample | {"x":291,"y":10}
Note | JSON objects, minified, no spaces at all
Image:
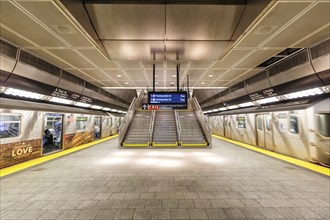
{"x":136,"y":145}
{"x":301,"y":163}
{"x":30,"y":163}
{"x":194,"y":145}
{"x":165,"y":145}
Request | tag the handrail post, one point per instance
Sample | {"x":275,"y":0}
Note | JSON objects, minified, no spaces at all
{"x":178,"y":125}
{"x":151,"y":126}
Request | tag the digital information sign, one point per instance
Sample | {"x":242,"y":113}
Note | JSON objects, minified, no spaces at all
{"x":167,"y":98}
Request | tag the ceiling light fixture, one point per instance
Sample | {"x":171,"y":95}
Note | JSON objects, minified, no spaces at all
{"x":210,"y":75}
{"x":81,"y":104}
{"x":61,"y":101}
{"x":23,"y":93}
{"x":118,"y":75}
{"x":126,"y":83}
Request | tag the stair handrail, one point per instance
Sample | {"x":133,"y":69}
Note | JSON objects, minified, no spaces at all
{"x":202,"y":120}
{"x":128,"y":117}
{"x":178,"y":125}
{"x":151,"y":126}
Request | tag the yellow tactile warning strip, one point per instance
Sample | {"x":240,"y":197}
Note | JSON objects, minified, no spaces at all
{"x":164,"y":145}
{"x":31,"y":163}
{"x":304,"y":164}
{"x":136,"y":145}
{"x":194,"y":145}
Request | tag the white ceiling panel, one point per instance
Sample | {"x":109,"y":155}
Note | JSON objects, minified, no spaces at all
{"x":316,"y":17}
{"x":135,"y":74}
{"x":53,"y":18}
{"x":201,"y":22}
{"x":149,"y":64}
{"x":257,"y":58}
{"x":128,"y":21}
{"x":115,"y":74}
{"x":195,"y":50}
{"x":315,"y":37}
{"x":280,"y":14}
{"x":135,"y":50}
{"x":96,"y":74}
{"x":26,"y":26}
{"x":98,"y":58}
{"x":49,"y":57}
{"x":231,"y":58}
{"x":195,"y":74}
{"x":158,"y":72}
{"x":141,"y":83}
{"x":14,"y":38}
{"x":110,"y":83}
{"x":200,"y":64}
{"x":75,"y":59}
{"x":129,"y":64}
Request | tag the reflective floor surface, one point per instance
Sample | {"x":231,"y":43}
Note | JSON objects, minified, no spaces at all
{"x":225,"y":182}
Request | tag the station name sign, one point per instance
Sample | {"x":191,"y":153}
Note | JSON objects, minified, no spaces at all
{"x":167,"y":98}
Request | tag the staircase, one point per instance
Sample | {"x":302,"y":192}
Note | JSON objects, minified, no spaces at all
{"x":191,"y":131}
{"x":165,"y":131}
{"x":138,"y":131}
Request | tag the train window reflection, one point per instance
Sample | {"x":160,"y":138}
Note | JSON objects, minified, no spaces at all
{"x":268,"y":122}
{"x":323,"y":124}
{"x":81,"y":123}
{"x":241,"y":122}
{"x":293,"y":124}
{"x":10,"y":125}
{"x":259,"y":123}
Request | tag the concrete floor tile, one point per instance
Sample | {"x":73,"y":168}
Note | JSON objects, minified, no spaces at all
{"x":185,"y":204}
{"x":153,"y":204}
{"x":88,"y":214}
{"x":179,"y":214}
{"x":13,"y":214}
{"x":170,"y":204}
{"x":124,"y":214}
{"x":197,"y":214}
{"x":120,"y":204}
{"x":215,"y":214}
{"x":137,"y":204}
{"x":51,"y":214}
{"x":106,"y":214}
{"x":160,"y":214}
{"x":142,"y":214}
{"x":69,"y":214}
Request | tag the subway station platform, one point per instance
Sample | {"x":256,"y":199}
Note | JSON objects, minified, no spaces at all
{"x":225,"y":182}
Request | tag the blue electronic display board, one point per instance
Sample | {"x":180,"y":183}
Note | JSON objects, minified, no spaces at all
{"x":167,"y":98}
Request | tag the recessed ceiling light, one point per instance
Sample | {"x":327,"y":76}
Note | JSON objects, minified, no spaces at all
{"x":63,"y":29}
{"x":173,"y":75}
{"x":156,"y":83}
{"x":210,"y":75}
{"x":172,"y":82}
{"x":118,"y":75}
{"x":126,"y":83}
{"x":203,"y":83}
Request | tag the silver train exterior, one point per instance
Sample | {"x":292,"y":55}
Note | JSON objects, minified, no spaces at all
{"x":299,"y":133}
{"x":27,"y":130}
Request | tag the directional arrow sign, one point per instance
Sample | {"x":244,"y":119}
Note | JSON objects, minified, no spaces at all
{"x":144,"y":106}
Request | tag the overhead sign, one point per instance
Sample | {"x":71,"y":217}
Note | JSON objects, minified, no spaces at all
{"x":263,"y":94}
{"x":167,"y":98}
{"x":162,"y":107}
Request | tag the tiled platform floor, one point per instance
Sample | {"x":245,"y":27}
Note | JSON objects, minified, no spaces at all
{"x":226,"y":182}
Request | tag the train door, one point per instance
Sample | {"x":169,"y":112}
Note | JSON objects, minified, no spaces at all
{"x":226,"y":122}
{"x":264,"y":131}
{"x":260,"y":130}
{"x":97,"y":127}
{"x":323,"y":137}
{"x":52,"y":133}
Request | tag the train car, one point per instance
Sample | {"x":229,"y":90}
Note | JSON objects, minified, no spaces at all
{"x":301,"y":131}
{"x":29,"y":130}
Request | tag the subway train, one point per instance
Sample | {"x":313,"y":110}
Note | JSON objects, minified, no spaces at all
{"x":29,"y":130}
{"x":301,"y":131}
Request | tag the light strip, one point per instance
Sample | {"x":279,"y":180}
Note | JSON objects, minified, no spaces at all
{"x":106,"y":109}
{"x":304,"y":93}
{"x":246,"y":104}
{"x":96,"y":107}
{"x":81,"y":104}
{"x":60,"y":100}
{"x":268,"y":100}
{"x":23,"y":93}
{"x":232,"y":107}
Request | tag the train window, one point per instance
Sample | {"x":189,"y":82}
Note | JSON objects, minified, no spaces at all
{"x":293,"y":124}
{"x":10,"y":125}
{"x":268,"y":122}
{"x":81,"y":123}
{"x":259,"y":123}
{"x":110,"y":121}
{"x":323,"y":124}
{"x":241,"y":122}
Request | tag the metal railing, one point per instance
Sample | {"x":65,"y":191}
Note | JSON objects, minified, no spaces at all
{"x":128,"y":117}
{"x":178,"y":125}
{"x":202,"y":119}
{"x":151,"y":127}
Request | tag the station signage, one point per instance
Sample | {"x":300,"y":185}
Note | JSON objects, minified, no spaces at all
{"x":146,"y":106}
{"x":65,"y":94}
{"x":263,"y":94}
{"x":167,"y":98}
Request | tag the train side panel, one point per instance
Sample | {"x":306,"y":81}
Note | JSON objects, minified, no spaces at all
{"x":20,"y":136}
